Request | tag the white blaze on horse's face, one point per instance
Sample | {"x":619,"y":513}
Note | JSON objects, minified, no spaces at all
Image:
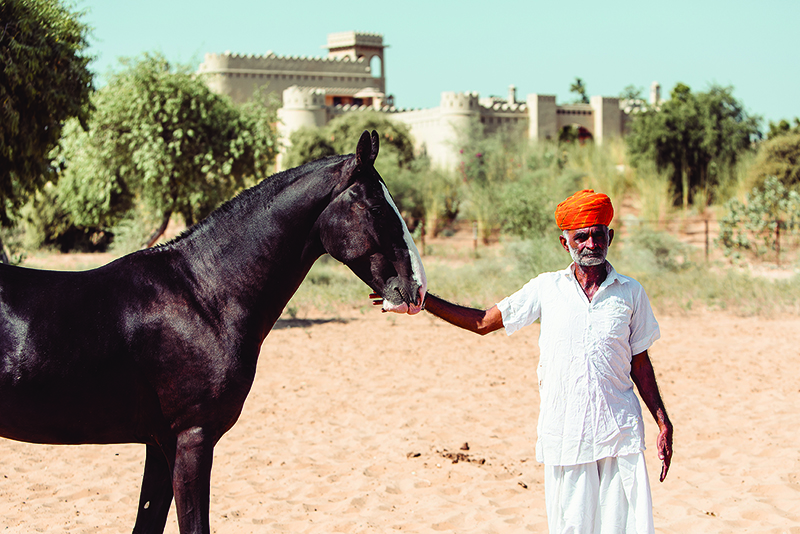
{"x":418,"y":271}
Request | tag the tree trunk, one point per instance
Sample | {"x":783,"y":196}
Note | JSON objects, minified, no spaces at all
{"x":3,"y":255}
{"x":159,"y":231}
{"x":685,"y":183}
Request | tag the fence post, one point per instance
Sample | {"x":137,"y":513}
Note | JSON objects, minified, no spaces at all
{"x":778,"y":243}
{"x":706,"y":225}
{"x":475,"y":237}
{"x":422,"y":236}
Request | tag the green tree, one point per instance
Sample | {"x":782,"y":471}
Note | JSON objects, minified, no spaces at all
{"x":160,"y":136}
{"x":92,"y":192}
{"x":633,"y":98}
{"x":44,"y":80}
{"x":422,"y":194}
{"x":340,"y":134}
{"x":579,"y":88}
{"x":778,"y":157}
{"x":307,"y":144}
{"x":783,"y":127}
{"x":426,"y":194}
{"x":260,"y":117}
{"x":502,"y":183}
{"x":569,"y":134}
{"x":632,"y":92}
{"x":524,"y":210}
{"x":693,"y":135}
{"x":395,"y":136}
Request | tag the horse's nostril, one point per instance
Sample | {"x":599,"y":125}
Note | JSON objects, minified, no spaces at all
{"x":403,"y":294}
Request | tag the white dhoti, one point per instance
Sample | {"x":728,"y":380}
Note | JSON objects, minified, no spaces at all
{"x":610,"y":496}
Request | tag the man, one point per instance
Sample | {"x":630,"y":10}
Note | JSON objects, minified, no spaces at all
{"x":596,"y":328}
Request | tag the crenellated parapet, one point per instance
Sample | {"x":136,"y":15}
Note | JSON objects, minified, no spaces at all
{"x":270,"y":62}
{"x":303,"y":98}
{"x":495,"y":106}
{"x":349,"y":39}
{"x":345,"y":108}
{"x":355,"y":63}
{"x":459,"y":103}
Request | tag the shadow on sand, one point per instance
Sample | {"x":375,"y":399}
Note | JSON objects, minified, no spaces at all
{"x":305,"y":323}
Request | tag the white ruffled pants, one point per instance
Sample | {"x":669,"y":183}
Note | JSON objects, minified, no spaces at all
{"x":610,"y":496}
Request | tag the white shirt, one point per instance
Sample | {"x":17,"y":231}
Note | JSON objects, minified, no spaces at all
{"x":588,"y":408}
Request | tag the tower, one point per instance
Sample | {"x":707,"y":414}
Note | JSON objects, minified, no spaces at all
{"x":655,"y":93}
{"x":303,"y":107}
{"x":355,"y":45}
{"x":542,"y":117}
{"x":607,"y":118}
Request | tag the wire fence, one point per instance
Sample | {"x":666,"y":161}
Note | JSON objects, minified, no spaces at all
{"x":773,"y":244}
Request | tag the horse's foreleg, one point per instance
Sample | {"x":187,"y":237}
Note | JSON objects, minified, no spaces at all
{"x":191,"y":480}
{"x":156,"y":494}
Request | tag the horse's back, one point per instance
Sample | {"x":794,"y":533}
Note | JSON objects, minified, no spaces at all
{"x":111,"y":354}
{"x":66,"y":372}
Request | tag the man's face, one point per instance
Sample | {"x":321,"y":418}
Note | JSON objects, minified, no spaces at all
{"x":588,"y":246}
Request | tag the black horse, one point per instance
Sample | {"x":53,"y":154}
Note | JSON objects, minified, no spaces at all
{"x":160,"y":347}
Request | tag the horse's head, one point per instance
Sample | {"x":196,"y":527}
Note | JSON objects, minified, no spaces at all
{"x":362,"y":228}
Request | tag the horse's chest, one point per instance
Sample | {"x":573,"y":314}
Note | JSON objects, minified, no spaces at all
{"x":209,"y":382}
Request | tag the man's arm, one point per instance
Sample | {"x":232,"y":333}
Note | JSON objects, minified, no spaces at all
{"x":644,"y":377}
{"x":479,"y":321}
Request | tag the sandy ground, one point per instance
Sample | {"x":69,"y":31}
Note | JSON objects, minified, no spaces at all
{"x":355,"y":420}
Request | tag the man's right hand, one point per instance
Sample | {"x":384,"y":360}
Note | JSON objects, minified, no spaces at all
{"x":377,"y":300}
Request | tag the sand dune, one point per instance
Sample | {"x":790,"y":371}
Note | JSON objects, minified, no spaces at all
{"x":376,"y":423}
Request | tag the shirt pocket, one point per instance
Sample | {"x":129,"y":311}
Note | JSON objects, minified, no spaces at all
{"x":611,"y":352}
{"x":612,"y":319}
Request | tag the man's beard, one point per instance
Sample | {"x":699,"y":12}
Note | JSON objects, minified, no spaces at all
{"x":588,"y":258}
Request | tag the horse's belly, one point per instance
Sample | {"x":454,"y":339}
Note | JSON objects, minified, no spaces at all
{"x":73,"y":407}
{"x":70,"y":429}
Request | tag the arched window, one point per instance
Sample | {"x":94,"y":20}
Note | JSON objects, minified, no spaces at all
{"x":375,"y":66}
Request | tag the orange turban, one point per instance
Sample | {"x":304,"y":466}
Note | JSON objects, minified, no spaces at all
{"x":583,"y":209}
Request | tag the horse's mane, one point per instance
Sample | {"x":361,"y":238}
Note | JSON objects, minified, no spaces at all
{"x":263,"y":191}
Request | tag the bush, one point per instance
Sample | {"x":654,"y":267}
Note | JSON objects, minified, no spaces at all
{"x":46,"y":222}
{"x":779,"y":157}
{"x":426,"y":194}
{"x":652,"y":251}
{"x":750,"y":226}
{"x":525,"y":207}
{"x":536,"y":255}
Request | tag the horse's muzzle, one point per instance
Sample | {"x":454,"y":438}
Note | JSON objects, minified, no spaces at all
{"x":400,"y":297}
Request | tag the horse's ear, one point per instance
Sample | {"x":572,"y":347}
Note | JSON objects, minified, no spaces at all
{"x":365,"y":149}
{"x":375,"y":145}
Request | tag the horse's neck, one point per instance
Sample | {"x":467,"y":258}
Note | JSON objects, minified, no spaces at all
{"x":257,"y":250}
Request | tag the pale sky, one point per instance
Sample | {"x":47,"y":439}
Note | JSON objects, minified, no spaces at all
{"x":465,"y":45}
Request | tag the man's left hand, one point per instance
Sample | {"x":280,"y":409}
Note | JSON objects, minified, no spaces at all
{"x":664,"y":444}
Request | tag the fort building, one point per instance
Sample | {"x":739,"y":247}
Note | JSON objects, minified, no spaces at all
{"x":354,"y":73}
{"x":352,"y":79}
